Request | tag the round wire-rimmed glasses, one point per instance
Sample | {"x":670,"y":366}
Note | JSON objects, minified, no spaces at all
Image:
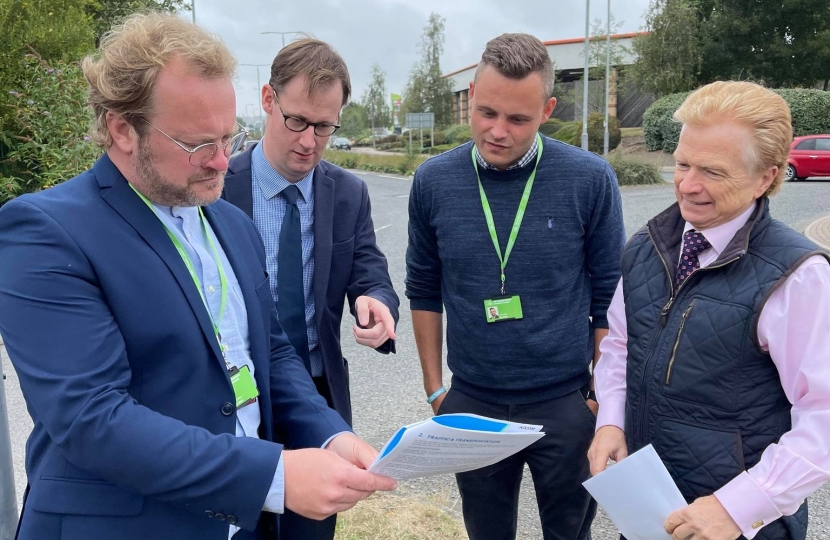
{"x":203,"y":153}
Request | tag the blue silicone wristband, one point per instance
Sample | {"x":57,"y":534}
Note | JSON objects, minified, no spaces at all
{"x":435,"y":394}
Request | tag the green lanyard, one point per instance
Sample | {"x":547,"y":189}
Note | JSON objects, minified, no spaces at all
{"x":223,"y":280}
{"x":520,"y":214}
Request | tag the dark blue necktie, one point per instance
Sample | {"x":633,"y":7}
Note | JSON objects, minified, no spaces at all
{"x":290,"y":296}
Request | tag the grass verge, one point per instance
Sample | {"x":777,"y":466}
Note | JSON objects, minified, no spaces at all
{"x":388,"y":516}
{"x":404,"y":164}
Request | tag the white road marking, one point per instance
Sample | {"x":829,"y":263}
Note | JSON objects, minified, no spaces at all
{"x":381,"y":228}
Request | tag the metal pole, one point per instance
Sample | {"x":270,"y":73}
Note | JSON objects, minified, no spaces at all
{"x":8,"y":498}
{"x":585,"y":75}
{"x":605,"y":136}
{"x":258,"y":95}
{"x":193,"y":10}
{"x":259,"y":89}
{"x":283,"y":35}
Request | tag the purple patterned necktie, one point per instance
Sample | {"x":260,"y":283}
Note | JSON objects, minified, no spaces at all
{"x":693,"y":243}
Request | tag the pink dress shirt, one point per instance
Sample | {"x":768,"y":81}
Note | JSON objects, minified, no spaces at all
{"x":794,"y":327}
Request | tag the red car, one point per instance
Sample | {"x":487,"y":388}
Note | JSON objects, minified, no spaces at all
{"x":809,"y":156}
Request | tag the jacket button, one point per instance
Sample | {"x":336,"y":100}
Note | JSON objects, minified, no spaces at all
{"x":227,"y":409}
{"x":220,"y":516}
{"x":209,"y":513}
{"x":231,"y":519}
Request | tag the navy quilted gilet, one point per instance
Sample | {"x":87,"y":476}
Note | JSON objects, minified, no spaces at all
{"x":700,"y":389}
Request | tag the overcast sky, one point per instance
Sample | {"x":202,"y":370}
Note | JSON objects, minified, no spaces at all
{"x":387,"y":32}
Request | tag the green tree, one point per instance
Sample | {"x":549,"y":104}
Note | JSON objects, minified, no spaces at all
{"x":50,"y":125}
{"x":427,"y":90}
{"x":106,"y":13}
{"x":596,"y":61}
{"x":56,"y":30}
{"x":376,"y":100}
{"x":784,"y":43}
{"x":668,"y":57}
{"x":354,"y":121}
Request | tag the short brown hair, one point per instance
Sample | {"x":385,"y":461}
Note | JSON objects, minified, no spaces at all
{"x":315,"y":59}
{"x":516,"y":56}
{"x":123,"y":72}
{"x":749,"y":104}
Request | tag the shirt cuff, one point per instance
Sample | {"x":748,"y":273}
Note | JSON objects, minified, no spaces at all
{"x":611,"y":412}
{"x":323,"y":446}
{"x":275,"y":500}
{"x":748,"y":505}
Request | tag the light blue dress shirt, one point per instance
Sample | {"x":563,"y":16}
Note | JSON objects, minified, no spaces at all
{"x":186,"y":224}
{"x":269,"y":210}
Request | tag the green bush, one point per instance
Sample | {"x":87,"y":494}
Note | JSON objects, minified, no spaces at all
{"x":596,"y":133}
{"x":458,"y":134}
{"x":568,"y":133}
{"x":571,"y":133}
{"x":659,"y":126}
{"x":440,"y":138}
{"x":440,"y":148}
{"x":551,"y":126}
{"x":810,"y":114}
{"x":52,"y":119}
{"x":634,"y":172}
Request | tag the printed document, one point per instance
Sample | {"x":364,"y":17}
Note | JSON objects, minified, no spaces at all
{"x":452,"y":443}
{"x":638,"y":494}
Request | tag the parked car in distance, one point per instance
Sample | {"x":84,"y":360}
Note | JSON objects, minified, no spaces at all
{"x":341,"y":143}
{"x":809,"y":156}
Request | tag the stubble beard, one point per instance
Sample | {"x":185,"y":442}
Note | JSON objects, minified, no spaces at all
{"x":162,"y":191}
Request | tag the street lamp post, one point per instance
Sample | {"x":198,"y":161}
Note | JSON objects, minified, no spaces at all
{"x":259,"y":93}
{"x":585,"y":76}
{"x":605,"y":137}
{"x":193,"y":10}
{"x":283,"y":35}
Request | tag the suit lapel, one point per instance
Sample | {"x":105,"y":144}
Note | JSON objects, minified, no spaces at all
{"x":323,"y":223}
{"x":238,"y":183}
{"x":135,"y":212}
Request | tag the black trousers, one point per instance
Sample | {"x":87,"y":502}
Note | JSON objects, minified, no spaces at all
{"x":296,"y":527}
{"x":558,"y":463}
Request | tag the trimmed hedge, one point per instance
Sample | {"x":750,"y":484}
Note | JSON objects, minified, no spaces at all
{"x":810,"y":110}
{"x":810,"y":114}
{"x":634,"y":172}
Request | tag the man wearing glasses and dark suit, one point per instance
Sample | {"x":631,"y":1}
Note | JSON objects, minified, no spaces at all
{"x":316,"y":222}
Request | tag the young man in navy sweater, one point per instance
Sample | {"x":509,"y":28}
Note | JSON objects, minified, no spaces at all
{"x":532,"y":227}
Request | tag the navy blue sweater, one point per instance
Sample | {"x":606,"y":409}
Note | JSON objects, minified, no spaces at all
{"x":565,"y":266}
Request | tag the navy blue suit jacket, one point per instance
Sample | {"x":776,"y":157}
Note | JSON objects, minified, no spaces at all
{"x":347,"y":261}
{"x":133,"y":409}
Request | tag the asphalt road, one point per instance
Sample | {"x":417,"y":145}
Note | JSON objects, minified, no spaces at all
{"x":387,"y":391}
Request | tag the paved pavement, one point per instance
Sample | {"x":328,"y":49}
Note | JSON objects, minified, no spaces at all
{"x":819,"y":232}
{"x":387,"y":391}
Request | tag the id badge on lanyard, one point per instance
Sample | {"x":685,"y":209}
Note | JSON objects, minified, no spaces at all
{"x":504,"y":307}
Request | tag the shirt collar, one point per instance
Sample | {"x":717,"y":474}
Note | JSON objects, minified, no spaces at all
{"x":529,"y":155}
{"x":720,"y":236}
{"x":271,"y":182}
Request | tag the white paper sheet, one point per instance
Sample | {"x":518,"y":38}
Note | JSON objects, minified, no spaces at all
{"x":452,"y":443}
{"x":638,"y":494}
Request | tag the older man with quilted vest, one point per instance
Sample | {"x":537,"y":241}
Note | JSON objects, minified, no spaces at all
{"x":718,"y":352}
